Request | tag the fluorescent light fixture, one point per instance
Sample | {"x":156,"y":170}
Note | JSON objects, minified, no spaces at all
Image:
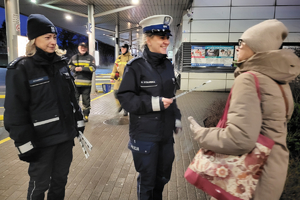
{"x":33,"y":1}
{"x":68,"y":17}
{"x":135,"y":1}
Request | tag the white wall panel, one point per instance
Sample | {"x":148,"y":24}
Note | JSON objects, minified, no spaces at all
{"x":209,"y":37}
{"x":216,"y":85}
{"x":211,"y":3}
{"x":229,"y":84}
{"x":186,"y":26}
{"x":233,"y":37}
{"x":242,"y":25}
{"x":207,"y":76}
{"x":184,"y":75}
{"x":211,"y":13}
{"x":288,"y":2}
{"x":290,"y":12}
{"x":266,"y":12}
{"x":186,"y":37}
{"x":184,"y":84}
{"x":293,"y":37}
{"x":253,"y":2}
{"x":292,"y":25}
{"x":210,"y":26}
{"x":230,"y":76}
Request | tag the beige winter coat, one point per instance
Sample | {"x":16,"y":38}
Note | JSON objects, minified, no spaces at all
{"x":247,"y":117}
{"x":119,"y":66}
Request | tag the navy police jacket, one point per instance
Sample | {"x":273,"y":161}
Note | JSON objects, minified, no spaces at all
{"x":140,"y":94}
{"x":40,"y":104}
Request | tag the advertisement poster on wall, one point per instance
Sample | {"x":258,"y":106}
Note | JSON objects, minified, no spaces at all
{"x":211,"y":56}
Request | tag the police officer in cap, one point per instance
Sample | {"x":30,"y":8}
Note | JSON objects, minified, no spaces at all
{"x":147,"y":92}
{"x":41,"y":112}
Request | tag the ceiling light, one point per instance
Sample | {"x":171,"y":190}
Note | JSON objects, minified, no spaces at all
{"x":68,"y":17}
{"x":33,"y":1}
{"x":135,"y":1}
{"x":113,"y":38}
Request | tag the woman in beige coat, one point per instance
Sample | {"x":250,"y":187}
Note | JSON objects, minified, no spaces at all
{"x":258,"y":53}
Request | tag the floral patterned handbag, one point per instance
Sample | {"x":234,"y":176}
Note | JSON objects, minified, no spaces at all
{"x":228,"y":177}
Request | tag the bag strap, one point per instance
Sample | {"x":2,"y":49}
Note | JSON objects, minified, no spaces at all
{"x":224,"y":116}
{"x":285,"y":100}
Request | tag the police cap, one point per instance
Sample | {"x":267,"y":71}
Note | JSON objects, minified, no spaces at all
{"x":157,"y":25}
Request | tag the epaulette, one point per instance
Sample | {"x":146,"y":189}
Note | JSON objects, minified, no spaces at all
{"x":13,"y":63}
{"x":133,"y":59}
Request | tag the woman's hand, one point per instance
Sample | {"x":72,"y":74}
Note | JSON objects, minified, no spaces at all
{"x":112,"y":81}
{"x":194,"y":126}
{"x":167,"y":102}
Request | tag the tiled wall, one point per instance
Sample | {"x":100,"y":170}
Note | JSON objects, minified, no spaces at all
{"x":224,"y":21}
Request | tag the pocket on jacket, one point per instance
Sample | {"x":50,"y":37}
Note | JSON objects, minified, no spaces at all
{"x":149,"y":124}
{"x":46,"y":123}
{"x":140,"y":146}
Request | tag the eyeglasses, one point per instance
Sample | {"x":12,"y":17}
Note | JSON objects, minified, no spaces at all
{"x":240,"y":42}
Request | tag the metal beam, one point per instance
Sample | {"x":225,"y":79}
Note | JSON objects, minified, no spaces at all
{"x":103,"y":29}
{"x":63,"y":10}
{"x":131,"y":29}
{"x":113,"y":11}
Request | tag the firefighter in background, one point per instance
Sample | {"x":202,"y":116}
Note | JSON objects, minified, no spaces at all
{"x":117,"y":72}
{"x":83,"y":65}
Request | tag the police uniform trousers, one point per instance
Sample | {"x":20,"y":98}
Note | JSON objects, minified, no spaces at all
{"x":50,"y":171}
{"x":85,"y":92}
{"x":153,"y":161}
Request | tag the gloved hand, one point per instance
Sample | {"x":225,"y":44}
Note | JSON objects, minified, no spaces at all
{"x":194,"y":126}
{"x":30,"y":156}
{"x":81,"y":129}
{"x":178,"y":126}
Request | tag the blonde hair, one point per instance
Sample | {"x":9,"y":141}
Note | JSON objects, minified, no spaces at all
{"x":144,"y":39}
{"x":31,"y":49}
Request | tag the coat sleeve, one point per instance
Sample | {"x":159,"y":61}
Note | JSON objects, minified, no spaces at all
{"x":91,"y":68}
{"x":113,"y":73}
{"x":130,"y":97}
{"x":72,"y":65}
{"x":244,"y":121}
{"x":17,"y":120}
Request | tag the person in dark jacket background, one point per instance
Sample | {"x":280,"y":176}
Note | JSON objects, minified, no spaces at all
{"x":83,"y":65}
{"x":147,"y":92}
{"x":41,"y":112}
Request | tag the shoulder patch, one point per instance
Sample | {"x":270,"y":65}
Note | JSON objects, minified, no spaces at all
{"x":134,"y":59}
{"x":13,"y":63}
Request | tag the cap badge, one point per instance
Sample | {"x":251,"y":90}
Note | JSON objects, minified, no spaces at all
{"x":167,"y":20}
{"x":52,"y":29}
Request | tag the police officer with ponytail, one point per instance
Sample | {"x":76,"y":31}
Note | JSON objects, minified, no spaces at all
{"x":41,"y":112}
{"x":147,"y":92}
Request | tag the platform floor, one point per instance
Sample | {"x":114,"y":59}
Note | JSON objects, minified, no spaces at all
{"x":109,"y":172}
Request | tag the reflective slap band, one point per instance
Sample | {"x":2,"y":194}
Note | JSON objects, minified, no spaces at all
{"x":155,"y":103}
{"x":25,"y":147}
{"x":80,"y":123}
{"x":178,"y":123}
{"x":46,"y":121}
